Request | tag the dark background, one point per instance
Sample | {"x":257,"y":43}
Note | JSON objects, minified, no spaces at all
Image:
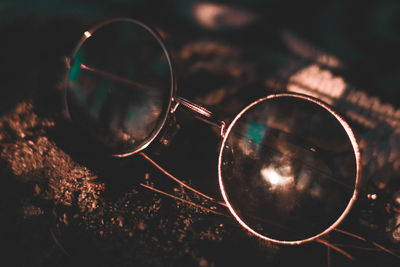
{"x":64,"y":202}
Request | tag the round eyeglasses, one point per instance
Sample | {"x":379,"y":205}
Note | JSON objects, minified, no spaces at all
{"x":288,"y":166}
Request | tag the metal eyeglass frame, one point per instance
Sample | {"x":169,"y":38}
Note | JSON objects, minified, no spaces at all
{"x":207,"y":116}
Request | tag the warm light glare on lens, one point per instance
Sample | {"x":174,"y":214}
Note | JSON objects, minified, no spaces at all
{"x":87,"y":34}
{"x":274,"y":178}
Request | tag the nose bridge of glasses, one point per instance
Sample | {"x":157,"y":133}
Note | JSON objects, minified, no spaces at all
{"x":200,"y":113}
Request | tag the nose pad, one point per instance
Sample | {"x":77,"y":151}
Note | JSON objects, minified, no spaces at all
{"x":171,"y":129}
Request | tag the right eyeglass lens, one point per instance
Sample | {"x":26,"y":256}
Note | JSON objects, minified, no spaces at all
{"x":288,"y":169}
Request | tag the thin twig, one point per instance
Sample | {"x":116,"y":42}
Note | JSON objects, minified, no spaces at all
{"x":59,"y":244}
{"x":182,"y":200}
{"x":357,"y":247}
{"x":350,"y":234}
{"x":179,"y":181}
{"x":379,"y":246}
{"x":341,"y":251}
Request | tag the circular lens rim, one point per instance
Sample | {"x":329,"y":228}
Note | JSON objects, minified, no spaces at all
{"x":87,"y":34}
{"x":356,"y":151}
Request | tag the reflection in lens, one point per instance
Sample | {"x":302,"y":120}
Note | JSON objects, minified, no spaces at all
{"x":120,"y":85}
{"x":288,"y":168}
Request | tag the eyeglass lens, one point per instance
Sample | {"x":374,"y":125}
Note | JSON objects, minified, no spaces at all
{"x":120,"y":85}
{"x":288,"y":168}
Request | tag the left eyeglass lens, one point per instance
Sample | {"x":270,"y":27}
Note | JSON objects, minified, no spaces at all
{"x":120,"y":85}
